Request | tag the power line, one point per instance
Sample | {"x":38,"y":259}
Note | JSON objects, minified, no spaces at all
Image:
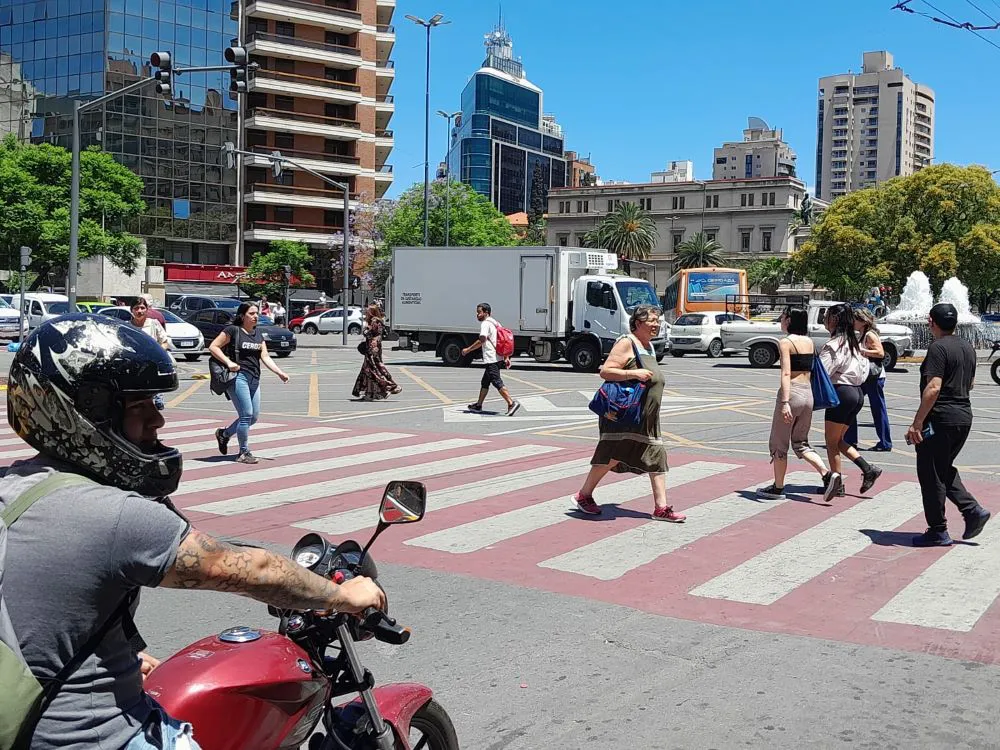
{"x":904,"y":6}
{"x":981,"y":11}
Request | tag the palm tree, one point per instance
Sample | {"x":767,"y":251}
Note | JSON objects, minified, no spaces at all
{"x":767,"y":273}
{"x":628,"y":231}
{"x":699,"y":252}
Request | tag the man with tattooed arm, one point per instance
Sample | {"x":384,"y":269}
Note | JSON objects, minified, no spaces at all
{"x":101,"y":526}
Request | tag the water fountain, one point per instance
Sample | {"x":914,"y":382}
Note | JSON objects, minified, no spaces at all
{"x":917,"y":300}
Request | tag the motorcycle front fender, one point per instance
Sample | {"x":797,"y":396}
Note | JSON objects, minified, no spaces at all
{"x":397,"y":703}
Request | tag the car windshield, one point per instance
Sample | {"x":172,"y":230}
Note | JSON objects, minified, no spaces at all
{"x":4,"y":305}
{"x":227,"y":303}
{"x":61,"y":308}
{"x":690,"y":320}
{"x":263,"y":320}
{"x":169,"y":316}
{"x":635,"y":293}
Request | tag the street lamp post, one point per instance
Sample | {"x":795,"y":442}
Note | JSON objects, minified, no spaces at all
{"x":436,"y":20}
{"x":447,"y":177}
{"x":288,"y":307}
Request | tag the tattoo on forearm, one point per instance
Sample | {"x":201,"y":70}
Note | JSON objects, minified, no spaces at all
{"x":204,"y":562}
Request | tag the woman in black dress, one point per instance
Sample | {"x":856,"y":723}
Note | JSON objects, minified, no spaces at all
{"x":374,"y":382}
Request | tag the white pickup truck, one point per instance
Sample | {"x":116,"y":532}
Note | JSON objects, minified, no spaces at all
{"x":760,"y":338}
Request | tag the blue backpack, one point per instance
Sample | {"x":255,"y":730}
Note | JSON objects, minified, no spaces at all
{"x":620,"y":402}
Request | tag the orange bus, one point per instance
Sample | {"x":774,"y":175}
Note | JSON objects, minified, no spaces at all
{"x":700,"y":289}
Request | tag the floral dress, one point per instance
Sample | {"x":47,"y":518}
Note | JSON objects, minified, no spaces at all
{"x":374,"y":381}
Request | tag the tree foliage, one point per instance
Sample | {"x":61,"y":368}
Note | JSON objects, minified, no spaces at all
{"x":767,"y":273}
{"x":628,"y":231}
{"x":475,"y":222}
{"x":943,"y":220}
{"x":265,"y":277}
{"x":35,"y":183}
{"x":700,"y":252}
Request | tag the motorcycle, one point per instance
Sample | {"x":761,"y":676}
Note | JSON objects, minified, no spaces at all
{"x":995,"y":369}
{"x":247,"y":688}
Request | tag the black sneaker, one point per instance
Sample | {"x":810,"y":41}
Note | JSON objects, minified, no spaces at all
{"x":870,"y":477}
{"x":932,"y":538}
{"x":474,"y":407}
{"x":222,"y":440}
{"x":771,"y":492}
{"x":513,"y":408}
{"x":974,"y":523}
{"x":247,"y":458}
{"x":833,"y":486}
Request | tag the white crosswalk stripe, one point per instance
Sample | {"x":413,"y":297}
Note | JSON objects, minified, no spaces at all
{"x":616,"y":555}
{"x":783,"y":568}
{"x":171,"y":425}
{"x":955,"y":591}
{"x":480,"y":534}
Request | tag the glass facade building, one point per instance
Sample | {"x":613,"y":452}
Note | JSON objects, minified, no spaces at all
{"x":55,"y":51}
{"x":503,"y":144}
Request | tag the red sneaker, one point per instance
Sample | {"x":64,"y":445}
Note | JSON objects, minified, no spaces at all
{"x":587,"y":505}
{"x":668,"y":514}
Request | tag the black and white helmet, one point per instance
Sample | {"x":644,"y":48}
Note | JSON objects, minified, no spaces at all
{"x":66,"y":398}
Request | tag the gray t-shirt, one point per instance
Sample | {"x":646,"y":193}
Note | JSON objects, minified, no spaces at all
{"x":71,"y":559}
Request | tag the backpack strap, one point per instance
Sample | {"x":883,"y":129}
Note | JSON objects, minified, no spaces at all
{"x":37,"y":491}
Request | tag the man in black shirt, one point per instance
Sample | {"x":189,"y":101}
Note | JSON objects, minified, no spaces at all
{"x":941,"y":427}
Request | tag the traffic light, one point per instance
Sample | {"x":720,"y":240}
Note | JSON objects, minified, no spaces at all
{"x":25,"y":257}
{"x":161,"y":61}
{"x":229,"y":155}
{"x":238,"y":73}
{"x":276,"y":164}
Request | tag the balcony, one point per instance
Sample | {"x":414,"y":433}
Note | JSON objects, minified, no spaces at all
{"x":386,"y":68}
{"x":293,"y":84}
{"x":385,"y":38}
{"x":329,"y":164}
{"x":384,"y":172}
{"x":310,"y":13}
{"x":285,"y":195}
{"x":296,"y":48}
{"x":265,"y":231}
{"x":300,"y":122}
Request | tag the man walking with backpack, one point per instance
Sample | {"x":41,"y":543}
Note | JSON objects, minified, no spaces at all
{"x":497,"y":344}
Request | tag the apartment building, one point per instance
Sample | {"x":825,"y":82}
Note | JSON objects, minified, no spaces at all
{"x":321,"y":97}
{"x":871,"y":126}
{"x":761,"y":153}
{"x":580,"y":170}
{"x":749,"y":217}
{"x":676,"y":171}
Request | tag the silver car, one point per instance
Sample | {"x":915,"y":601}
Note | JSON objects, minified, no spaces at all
{"x":332,"y":321}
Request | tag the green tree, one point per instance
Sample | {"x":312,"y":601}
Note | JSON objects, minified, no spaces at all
{"x":628,"y":231}
{"x":979,"y":263}
{"x":937,"y":221}
{"x":475,"y":222}
{"x":535,"y":234}
{"x":767,"y":273}
{"x":35,"y":205}
{"x":699,"y":252}
{"x":266,"y":274}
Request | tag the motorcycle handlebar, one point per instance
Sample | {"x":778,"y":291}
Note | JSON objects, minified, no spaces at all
{"x":383,"y":627}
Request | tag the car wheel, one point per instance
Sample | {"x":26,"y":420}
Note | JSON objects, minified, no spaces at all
{"x":296,"y":329}
{"x":763,"y":355}
{"x":310,"y":328}
{"x":585,"y":357}
{"x":192,"y":357}
{"x":354,"y":330}
{"x":675,"y":353}
{"x":890,"y":358}
{"x":715,"y":349}
{"x":282,"y":355}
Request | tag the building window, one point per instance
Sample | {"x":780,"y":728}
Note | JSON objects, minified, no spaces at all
{"x":765,"y":241}
{"x":772,"y":199}
{"x":676,"y":240}
{"x":285,"y":103}
{"x":333,"y":218}
{"x":750,"y":199}
{"x":763,"y":199}
{"x":611,"y":206}
{"x":283,"y":215}
{"x":287,"y":177}
{"x":745,"y":240}
{"x":283,"y":28}
{"x":583,"y":207}
{"x":710,"y":236}
{"x":284,"y":140}
{"x":743,"y":199}
{"x":678,"y":202}
{"x":563,"y":240}
{"x":646,"y":204}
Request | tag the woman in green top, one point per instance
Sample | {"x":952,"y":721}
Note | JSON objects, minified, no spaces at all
{"x":633,"y":449}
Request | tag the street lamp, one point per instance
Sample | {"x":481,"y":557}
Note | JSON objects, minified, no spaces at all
{"x":447,"y":176}
{"x":288,"y":307}
{"x":436,"y":20}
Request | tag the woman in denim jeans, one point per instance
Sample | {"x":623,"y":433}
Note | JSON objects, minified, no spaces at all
{"x":241,"y":348}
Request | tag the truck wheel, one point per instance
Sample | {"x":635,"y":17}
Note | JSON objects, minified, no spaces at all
{"x":890,"y":358}
{"x":995,"y":372}
{"x":585,"y":357}
{"x":763,"y":355}
{"x":714,"y":349}
{"x":451,"y":352}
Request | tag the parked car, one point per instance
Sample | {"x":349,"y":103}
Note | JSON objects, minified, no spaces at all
{"x":280,"y":342}
{"x":185,"y":339}
{"x":90,"y":306}
{"x":40,"y":307}
{"x":228,"y":303}
{"x":700,"y":332}
{"x":295,"y":324}
{"x":10,"y":318}
{"x":185,"y":304}
{"x":332,"y":321}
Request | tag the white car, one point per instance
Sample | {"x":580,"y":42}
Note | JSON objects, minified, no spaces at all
{"x":332,"y":321}
{"x":185,"y":339}
{"x":10,"y":318}
{"x":700,"y":332}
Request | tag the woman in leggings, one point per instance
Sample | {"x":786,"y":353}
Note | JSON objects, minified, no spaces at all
{"x":793,"y":410}
{"x":874,"y":387}
{"x":847,"y":367}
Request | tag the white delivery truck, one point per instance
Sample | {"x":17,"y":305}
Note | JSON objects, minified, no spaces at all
{"x":558,"y":301}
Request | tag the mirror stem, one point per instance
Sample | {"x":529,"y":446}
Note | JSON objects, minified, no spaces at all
{"x":382,"y":526}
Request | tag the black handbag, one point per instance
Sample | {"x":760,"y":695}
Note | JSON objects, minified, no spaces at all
{"x":363,"y":348}
{"x":219,"y":375}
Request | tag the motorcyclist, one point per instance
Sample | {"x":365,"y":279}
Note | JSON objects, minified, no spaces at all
{"x":81,"y":392}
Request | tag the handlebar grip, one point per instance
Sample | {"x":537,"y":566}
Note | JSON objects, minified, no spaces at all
{"x":384,"y":627}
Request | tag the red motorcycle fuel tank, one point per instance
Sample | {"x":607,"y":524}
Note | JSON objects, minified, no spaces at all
{"x":242,"y":689}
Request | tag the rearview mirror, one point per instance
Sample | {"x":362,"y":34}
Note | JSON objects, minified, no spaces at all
{"x":403,"y":502}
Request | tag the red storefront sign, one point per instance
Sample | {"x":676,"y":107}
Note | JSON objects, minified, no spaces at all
{"x":207,"y":274}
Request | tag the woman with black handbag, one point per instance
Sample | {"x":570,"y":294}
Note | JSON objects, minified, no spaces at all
{"x":374,"y":382}
{"x":633,"y":448}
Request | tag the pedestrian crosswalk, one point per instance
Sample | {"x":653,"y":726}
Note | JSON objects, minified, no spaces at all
{"x":501,"y":508}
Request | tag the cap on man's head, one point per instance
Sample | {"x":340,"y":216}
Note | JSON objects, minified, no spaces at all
{"x":945,"y":316}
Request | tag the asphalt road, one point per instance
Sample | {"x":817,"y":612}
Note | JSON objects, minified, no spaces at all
{"x":524,"y":627}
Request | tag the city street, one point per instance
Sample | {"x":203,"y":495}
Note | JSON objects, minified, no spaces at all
{"x":785,"y":624}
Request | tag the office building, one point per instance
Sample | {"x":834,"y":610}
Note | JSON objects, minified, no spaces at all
{"x":871,"y":126}
{"x":749,"y":217}
{"x":321,"y":97}
{"x":676,"y":171}
{"x":761,"y":153}
{"x":503,"y":143}
{"x":580,"y":170}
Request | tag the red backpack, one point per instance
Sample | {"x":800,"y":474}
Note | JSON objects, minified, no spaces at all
{"x":505,"y":341}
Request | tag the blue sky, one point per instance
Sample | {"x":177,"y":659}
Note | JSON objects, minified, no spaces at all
{"x":636,"y":84}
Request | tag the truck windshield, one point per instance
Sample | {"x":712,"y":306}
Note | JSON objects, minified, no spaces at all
{"x":635,"y":293}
